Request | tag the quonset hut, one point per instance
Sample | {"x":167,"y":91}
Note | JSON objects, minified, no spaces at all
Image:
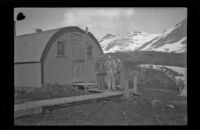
{"x":55,"y":56}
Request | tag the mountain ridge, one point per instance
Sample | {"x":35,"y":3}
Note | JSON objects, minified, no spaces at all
{"x":173,"y":39}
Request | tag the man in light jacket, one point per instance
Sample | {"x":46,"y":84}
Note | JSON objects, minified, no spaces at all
{"x":110,"y":66}
{"x":119,"y":74}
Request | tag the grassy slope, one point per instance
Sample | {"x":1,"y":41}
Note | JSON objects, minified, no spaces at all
{"x":151,"y":57}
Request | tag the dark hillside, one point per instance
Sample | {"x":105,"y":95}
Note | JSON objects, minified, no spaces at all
{"x":152,"y":57}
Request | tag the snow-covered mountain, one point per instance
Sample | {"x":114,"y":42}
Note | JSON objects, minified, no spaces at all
{"x":128,"y":42}
{"x":172,"y":40}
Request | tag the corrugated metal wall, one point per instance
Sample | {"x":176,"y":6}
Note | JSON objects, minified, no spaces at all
{"x":27,"y":75}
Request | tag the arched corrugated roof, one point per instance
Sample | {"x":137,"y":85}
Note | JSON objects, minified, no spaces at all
{"x":30,"y":47}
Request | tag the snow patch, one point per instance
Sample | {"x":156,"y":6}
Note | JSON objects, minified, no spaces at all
{"x":135,"y":40}
{"x":172,"y":47}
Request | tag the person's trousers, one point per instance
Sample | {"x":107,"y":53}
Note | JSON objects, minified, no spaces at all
{"x":110,"y":79}
{"x":122,"y":80}
{"x":101,"y":81}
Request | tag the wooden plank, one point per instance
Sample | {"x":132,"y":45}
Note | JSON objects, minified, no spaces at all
{"x":102,"y":90}
{"x":95,"y":90}
{"x":82,"y":83}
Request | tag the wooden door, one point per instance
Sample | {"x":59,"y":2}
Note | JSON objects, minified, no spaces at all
{"x":77,"y":58}
{"x":77,"y":71}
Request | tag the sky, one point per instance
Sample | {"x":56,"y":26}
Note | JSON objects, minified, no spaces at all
{"x":100,"y":21}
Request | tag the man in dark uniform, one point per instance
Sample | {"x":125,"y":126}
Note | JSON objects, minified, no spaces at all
{"x":100,"y":73}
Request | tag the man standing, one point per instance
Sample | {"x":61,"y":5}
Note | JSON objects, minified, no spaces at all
{"x":100,"y":73}
{"x":110,"y":66}
{"x":119,"y":72}
{"x":182,"y":85}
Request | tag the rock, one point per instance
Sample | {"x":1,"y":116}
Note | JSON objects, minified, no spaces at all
{"x":156,"y":102}
{"x":123,"y":113}
{"x":137,"y":94}
{"x":170,"y":106}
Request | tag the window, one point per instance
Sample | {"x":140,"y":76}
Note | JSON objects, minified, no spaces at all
{"x":89,"y":51}
{"x":61,"y":48}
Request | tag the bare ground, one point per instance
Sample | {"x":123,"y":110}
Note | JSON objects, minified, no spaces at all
{"x":48,"y":91}
{"x":151,"y":108}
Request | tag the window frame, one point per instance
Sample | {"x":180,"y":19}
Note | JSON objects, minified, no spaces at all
{"x":61,"y":49}
{"x":89,"y":51}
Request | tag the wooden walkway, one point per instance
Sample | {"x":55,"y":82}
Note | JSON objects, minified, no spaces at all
{"x":99,"y":90}
{"x":30,"y":108}
{"x":82,"y":84}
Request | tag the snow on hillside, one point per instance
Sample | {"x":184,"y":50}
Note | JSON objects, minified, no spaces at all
{"x":109,"y":38}
{"x":140,"y":39}
{"x":171,"y":29}
{"x":175,"y":47}
{"x":172,"y":40}
{"x":128,"y":42}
